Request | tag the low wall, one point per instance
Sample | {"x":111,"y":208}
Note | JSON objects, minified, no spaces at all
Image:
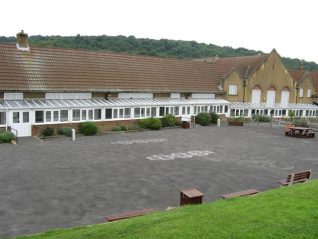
{"x":103,"y":126}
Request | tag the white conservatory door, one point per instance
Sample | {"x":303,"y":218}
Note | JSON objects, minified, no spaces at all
{"x":270,"y":97}
{"x":256,"y":96}
{"x":20,"y":121}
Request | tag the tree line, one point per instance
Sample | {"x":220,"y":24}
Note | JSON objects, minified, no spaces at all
{"x":150,"y":47}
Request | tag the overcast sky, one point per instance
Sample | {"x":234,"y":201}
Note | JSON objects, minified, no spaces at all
{"x":290,"y":26}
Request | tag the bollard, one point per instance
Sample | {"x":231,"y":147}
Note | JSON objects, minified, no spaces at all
{"x":219,"y":123}
{"x":73,"y":134}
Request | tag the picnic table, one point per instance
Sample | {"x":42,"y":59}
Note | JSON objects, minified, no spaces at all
{"x":300,"y":132}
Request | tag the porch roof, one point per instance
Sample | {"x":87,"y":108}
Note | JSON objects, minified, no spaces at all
{"x":97,"y":103}
{"x":248,"y":105}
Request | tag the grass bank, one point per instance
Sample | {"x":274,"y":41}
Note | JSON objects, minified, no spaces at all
{"x":289,"y":212}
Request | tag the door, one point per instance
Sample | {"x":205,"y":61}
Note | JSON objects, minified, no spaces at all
{"x":20,"y":121}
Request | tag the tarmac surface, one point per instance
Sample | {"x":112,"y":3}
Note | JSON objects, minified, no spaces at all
{"x":60,"y":183}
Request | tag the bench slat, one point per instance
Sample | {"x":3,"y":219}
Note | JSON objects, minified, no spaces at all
{"x":125,"y":215}
{"x":240,"y":194}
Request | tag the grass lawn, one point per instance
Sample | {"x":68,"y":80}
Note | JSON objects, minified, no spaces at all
{"x":289,"y":212}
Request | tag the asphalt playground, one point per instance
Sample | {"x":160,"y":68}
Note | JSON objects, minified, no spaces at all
{"x":60,"y":183}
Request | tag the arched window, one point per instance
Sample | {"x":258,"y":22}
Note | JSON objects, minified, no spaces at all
{"x":271,"y":93}
{"x":284,"y":99}
{"x":256,"y":94}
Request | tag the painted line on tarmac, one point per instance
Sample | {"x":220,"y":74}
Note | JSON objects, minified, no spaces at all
{"x":179,"y":155}
{"x":138,"y":141}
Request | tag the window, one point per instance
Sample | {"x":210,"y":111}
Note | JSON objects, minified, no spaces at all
{"x":2,"y":118}
{"x":161,"y":111}
{"x":108,"y":113}
{"x":183,"y":110}
{"x":121,"y":113}
{"x":39,"y":116}
{"x":56,"y":116}
{"x":309,"y":93}
{"x":301,"y":92}
{"x":232,"y":89}
{"x":176,"y":110}
{"x":48,"y":115}
{"x":115,"y":114}
{"x":64,"y":115}
{"x":127,"y":113}
{"x":188,"y":110}
{"x":167,"y":110}
{"x":76,"y":115}
{"x":84,"y":115}
{"x":142,"y":112}
{"x":16,"y":117}
{"x":90,"y":114}
{"x":148,"y":112}
{"x":137,"y":112}
{"x":226,"y":108}
{"x":153,"y":111}
{"x":26,"y":118}
{"x":97,"y":114}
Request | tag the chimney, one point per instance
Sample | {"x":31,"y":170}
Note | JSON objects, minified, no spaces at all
{"x":302,"y":66}
{"x":22,"y":41}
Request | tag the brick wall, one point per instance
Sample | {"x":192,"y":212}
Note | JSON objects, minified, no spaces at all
{"x":103,"y":126}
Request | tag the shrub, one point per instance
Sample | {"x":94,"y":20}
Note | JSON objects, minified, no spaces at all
{"x":214,"y":117}
{"x":88,"y":128}
{"x":6,"y":137}
{"x":301,"y":123}
{"x":263,"y":118}
{"x":65,"y":131}
{"x":47,"y":131}
{"x":119,"y":128}
{"x":291,"y":114}
{"x":168,"y":120}
{"x":237,"y":119}
{"x":151,"y":123}
{"x":203,"y":119}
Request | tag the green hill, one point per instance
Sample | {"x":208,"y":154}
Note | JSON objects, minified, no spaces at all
{"x":162,"y":48}
{"x":289,"y":212}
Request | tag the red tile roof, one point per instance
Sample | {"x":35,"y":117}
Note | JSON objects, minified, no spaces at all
{"x":297,"y":75}
{"x":47,"y":69}
{"x":314,"y":77}
{"x":245,"y":65}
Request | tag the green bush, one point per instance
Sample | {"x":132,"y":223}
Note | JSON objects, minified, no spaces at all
{"x":263,"y":118}
{"x":88,"y":128}
{"x":203,"y":119}
{"x":214,"y":117}
{"x":237,"y":119}
{"x":168,"y":120}
{"x":301,"y":122}
{"x":65,"y":131}
{"x":47,"y":131}
{"x":6,"y":137}
{"x":119,"y":128}
{"x":150,"y":123}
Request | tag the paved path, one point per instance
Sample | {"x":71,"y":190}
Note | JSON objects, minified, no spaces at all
{"x":60,"y":183}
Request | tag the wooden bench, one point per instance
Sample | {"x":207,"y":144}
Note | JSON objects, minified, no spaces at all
{"x":125,"y":215}
{"x":240,"y":194}
{"x":299,"y":177}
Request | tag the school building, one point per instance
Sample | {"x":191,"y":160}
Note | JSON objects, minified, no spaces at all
{"x":45,"y":87}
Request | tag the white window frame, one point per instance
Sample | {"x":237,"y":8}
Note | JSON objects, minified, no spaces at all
{"x":308,"y":93}
{"x":232,"y":89}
